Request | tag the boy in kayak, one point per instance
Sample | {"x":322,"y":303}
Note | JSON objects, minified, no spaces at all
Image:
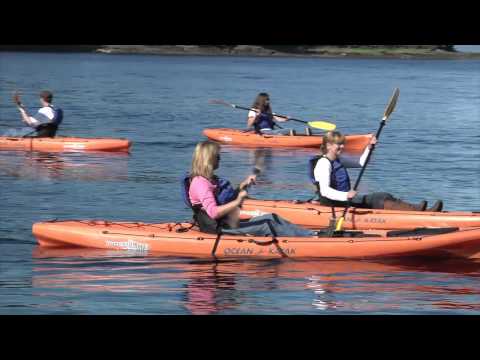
{"x":263,"y":120}
{"x":216,"y":205}
{"x":333,"y":182}
{"x":46,"y":120}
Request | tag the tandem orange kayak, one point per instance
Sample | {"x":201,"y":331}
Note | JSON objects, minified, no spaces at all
{"x":64,"y":144}
{"x":181,"y":239}
{"x":317,"y":216}
{"x":354,"y":143}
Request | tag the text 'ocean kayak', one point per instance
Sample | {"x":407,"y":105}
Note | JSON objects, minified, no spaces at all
{"x":64,"y":144}
{"x":354,"y":143}
{"x":182,"y":240}
{"x":318,"y":216}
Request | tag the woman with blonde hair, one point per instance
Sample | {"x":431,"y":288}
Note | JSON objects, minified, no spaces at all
{"x":333,"y":182}
{"x":216,"y":204}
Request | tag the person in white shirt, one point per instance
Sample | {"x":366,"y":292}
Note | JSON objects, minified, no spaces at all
{"x":46,"y":120}
{"x":263,"y":120}
{"x":333,"y":183}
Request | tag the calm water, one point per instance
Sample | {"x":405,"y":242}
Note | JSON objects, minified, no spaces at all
{"x":430,"y":149}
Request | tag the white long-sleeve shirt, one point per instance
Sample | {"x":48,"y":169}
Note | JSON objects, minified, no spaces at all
{"x":43,"y":115}
{"x":322,"y":173}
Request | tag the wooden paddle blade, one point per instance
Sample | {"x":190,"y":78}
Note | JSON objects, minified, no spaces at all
{"x":322,"y":125}
{"x":16,"y":98}
{"x":391,"y":104}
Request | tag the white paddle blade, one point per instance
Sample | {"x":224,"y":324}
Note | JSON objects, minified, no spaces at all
{"x":391,"y":104}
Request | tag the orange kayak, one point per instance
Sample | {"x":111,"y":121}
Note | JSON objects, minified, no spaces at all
{"x":354,"y":143}
{"x":318,"y":216}
{"x":183,"y":240}
{"x":64,"y":144}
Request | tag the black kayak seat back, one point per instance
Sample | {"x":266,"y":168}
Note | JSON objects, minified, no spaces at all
{"x":46,"y":130}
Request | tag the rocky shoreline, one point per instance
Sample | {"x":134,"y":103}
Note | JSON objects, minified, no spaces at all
{"x":320,"y":51}
{"x":366,"y":51}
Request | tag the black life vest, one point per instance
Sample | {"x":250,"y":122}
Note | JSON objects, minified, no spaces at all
{"x":265,"y":121}
{"x":50,"y":128}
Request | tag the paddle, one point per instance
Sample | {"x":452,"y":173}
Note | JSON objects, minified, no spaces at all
{"x":18,"y":102}
{"x":257,"y":170}
{"x":323,"y":125}
{"x":388,"y":112}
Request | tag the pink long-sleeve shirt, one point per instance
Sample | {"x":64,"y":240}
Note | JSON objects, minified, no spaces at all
{"x":202,"y":192}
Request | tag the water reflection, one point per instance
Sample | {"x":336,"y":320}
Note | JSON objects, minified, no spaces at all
{"x":204,"y":287}
{"x":210,"y":290}
{"x":79,"y":166}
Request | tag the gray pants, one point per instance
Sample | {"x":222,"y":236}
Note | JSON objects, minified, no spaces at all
{"x":259,"y":226}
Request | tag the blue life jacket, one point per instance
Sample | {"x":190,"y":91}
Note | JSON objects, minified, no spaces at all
{"x":224,"y":192}
{"x":339,"y":179}
{"x":58,"y":116}
{"x":265,"y":121}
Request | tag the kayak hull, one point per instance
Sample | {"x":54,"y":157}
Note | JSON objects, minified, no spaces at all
{"x":318,"y":216}
{"x":64,"y":144}
{"x":182,"y":240}
{"x":354,"y":143}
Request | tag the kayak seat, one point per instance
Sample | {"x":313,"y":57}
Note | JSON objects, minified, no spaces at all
{"x":421,"y":231}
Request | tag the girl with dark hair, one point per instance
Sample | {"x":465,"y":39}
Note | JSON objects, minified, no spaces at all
{"x":262,"y":120}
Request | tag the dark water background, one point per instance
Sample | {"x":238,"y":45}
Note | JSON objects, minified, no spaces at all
{"x":430,"y":149}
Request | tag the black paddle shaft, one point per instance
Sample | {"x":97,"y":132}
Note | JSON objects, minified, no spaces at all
{"x":244,"y":108}
{"x":274,"y":114}
{"x":377,"y":135}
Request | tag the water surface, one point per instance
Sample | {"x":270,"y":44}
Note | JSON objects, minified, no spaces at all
{"x":428,"y":150}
